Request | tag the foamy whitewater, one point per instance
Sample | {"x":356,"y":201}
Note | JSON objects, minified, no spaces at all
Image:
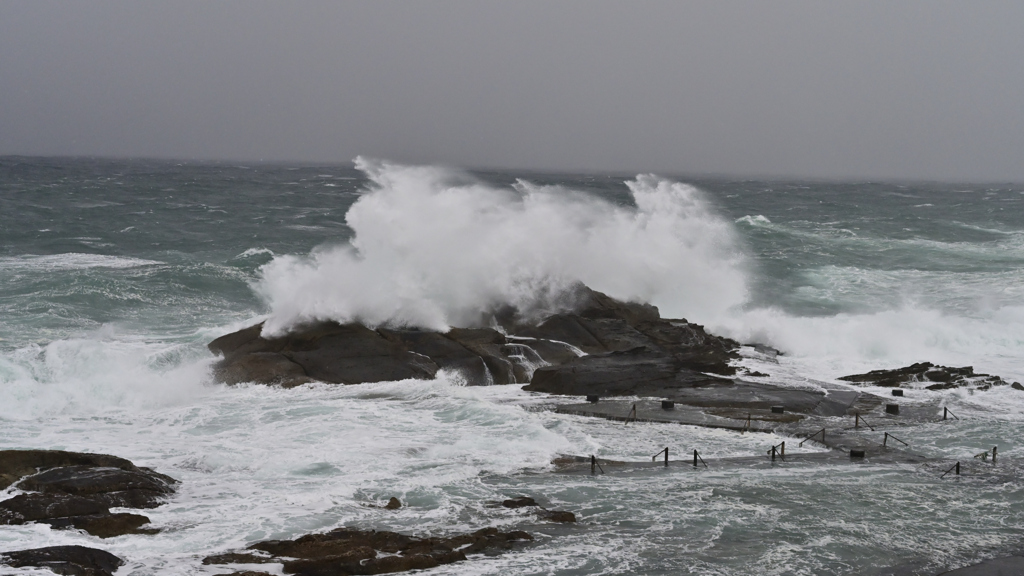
{"x":115,"y":274}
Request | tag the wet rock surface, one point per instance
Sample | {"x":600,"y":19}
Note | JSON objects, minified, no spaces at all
{"x":346,"y":551}
{"x":73,"y":490}
{"x":67,"y":560}
{"x":542,"y":512}
{"x":930,"y":377}
{"x":626,"y":348}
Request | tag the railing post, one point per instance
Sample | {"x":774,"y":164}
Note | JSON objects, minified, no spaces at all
{"x":994,"y":448}
{"x":593,"y":464}
{"x":945,"y":412}
{"x":958,"y":468}
{"x":885,"y":440}
{"x":783,"y":448}
{"x":773,"y":453}
{"x":856,"y":419}
{"x":632,"y":413}
{"x":666,"y":456}
{"x":694,"y":458}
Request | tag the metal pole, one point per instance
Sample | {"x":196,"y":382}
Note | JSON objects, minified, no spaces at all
{"x":666,"y":456}
{"x":994,"y":448}
{"x":885,"y":440}
{"x":945,"y":412}
{"x":783,"y":448}
{"x":593,"y":465}
{"x":957,"y":468}
{"x":694,"y":458}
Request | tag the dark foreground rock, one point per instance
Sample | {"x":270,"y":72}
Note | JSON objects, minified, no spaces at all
{"x":542,"y":512}
{"x":601,"y":346}
{"x":67,"y":560}
{"x":77,"y":490}
{"x":346,"y":551}
{"x":930,"y":377}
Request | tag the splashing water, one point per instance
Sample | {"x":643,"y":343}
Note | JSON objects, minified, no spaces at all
{"x":434,"y":248}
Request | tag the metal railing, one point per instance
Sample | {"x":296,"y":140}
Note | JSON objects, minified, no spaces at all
{"x":984,"y":455}
{"x":632,"y":413}
{"x":857,"y":419}
{"x":665,"y":451}
{"x":778,"y":450}
{"x":885,"y":441}
{"x":822,"y":432}
{"x":696,"y":457}
{"x":951,"y":468}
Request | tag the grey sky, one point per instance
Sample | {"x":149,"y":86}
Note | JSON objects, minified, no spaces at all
{"x":924,"y":89}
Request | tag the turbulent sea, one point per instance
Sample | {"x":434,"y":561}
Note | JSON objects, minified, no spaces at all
{"x":115,"y":274}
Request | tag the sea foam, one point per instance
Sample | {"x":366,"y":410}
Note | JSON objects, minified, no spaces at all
{"x":435,"y":248}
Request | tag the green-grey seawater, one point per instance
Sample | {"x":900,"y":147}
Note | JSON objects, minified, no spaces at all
{"x":115,"y":273}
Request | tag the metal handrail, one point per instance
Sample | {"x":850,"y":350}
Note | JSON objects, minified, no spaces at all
{"x":956,"y":466}
{"x":632,"y":413}
{"x":594,"y":465}
{"x":696,"y":457}
{"x":947,"y":411}
{"x":856,"y":421}
{"x":822,"y":432}
{"x":886,"y":440}
{"x":774,"y":450}
{"x":655,"y":457}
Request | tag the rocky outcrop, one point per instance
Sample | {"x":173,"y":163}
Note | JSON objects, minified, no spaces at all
{"x":346,"y":551}
{"x":77,"y":490}
{"x":542,"y":512}
{"x":354,"y":354}
{"x":929,"y":376}
{"x":66,"y":560}
{"x":601,"y":346}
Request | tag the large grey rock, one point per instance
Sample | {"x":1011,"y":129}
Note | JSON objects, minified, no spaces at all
{"x":77,"y":490}
{"x":631,"y":351}
{"x":346,"y":551}
{"x":66,"y":560}
{"x":928,"y":376}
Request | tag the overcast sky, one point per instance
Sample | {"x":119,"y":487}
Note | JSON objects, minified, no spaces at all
{"x":885,"y":89}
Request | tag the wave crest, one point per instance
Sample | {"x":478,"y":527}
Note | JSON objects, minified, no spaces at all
{"x":435,"y":248}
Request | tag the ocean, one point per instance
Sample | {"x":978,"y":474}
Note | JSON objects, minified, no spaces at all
{"x":115,"y":274}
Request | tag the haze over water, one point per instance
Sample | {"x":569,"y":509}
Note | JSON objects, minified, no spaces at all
{"x":115,"y":274}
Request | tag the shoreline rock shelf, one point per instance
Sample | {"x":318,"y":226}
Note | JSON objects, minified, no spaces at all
{"x":66,"y":560}
{"x":930,"y":377}
{"x":604,"y":345}
{"x":77,"y":490}
{"x":348,"y":552}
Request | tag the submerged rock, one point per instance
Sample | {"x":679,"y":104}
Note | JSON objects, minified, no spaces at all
{"x":347,"y":551}
{"x":603,"y":345}
{"x":520,"y":502}
{"x":67,"y":560}
{"x":542,"y":513}
{"x":928,"y":376}
{"x":77,"y":490}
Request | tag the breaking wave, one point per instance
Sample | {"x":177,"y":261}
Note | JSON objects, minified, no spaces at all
{"x":434,"y":248}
